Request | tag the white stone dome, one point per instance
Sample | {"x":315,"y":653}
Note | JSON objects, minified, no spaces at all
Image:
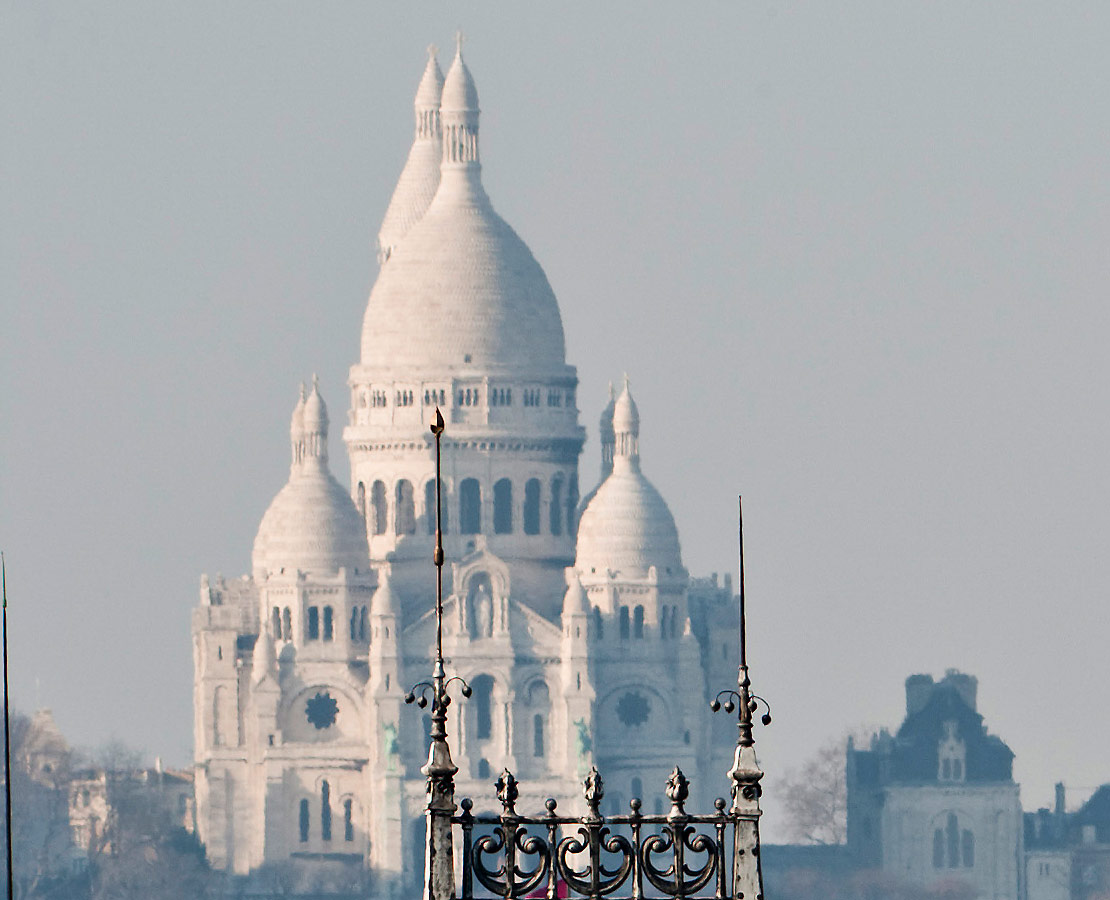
{"x":462,"y":291}
{"x":312,"y":524}
{"x":626,"y":527}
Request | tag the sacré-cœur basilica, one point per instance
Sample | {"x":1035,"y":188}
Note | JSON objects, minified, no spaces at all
{"x":572,"y":618}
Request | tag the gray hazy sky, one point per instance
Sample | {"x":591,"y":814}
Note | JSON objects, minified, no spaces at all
{"x":853,"y":255}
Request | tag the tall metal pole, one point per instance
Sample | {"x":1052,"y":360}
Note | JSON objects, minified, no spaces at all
{"x":439,"y":873}
{"x":747,"y":870}
{"x":7,"y":734}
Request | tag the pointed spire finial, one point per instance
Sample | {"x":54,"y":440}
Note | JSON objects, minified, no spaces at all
{"x":304,"y":392}
{"x":315,"y":383}
{"x":432,"y":51}
{"x":459,"y":42}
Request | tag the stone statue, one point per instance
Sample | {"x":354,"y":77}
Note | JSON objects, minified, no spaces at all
{"x":483,"y":608}
{"x":390,"y":748}
{"x":583,"y":745}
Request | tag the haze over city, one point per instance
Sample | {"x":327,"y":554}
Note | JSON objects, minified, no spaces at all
{"x":852,"y":259}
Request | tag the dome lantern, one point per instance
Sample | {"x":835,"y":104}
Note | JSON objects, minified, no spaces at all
{"x":312,"y":524}
{"x":626,"y":528}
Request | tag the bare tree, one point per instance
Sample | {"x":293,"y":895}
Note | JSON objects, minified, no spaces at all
{"x":815,"y":797}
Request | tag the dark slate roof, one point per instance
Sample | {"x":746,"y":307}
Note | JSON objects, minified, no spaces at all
{"x":911,"y":757}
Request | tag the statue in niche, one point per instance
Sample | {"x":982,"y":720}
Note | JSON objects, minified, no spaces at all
{"x":390,"y":748}
{"x":481,"y":607}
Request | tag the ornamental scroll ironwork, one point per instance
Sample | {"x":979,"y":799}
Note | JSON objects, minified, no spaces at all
{"x":633,"y":856}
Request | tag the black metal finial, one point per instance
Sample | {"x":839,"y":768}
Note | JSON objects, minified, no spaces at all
{"x":439,"y":767}
{"x":742,"y":700}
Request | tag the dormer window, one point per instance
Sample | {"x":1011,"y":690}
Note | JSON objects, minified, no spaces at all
{"x":951,"y":755}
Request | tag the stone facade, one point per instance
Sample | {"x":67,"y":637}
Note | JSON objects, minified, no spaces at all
{"x":575,"y":622}
{"x":937,"y":801}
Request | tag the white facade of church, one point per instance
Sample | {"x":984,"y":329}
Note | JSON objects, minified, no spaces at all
{"x":574,"y":621}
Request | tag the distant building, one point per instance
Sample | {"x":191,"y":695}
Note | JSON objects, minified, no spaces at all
{"x":96,"y":795}
{"x":574,"y":620}
{"x":937,"y":801}
{"x":1068,"y":854}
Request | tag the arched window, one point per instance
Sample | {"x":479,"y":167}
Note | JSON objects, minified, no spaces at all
{"x":354,"y":624}
{"x":313,"y":623}
{"x":532,"y":506}
{"x":599,"y":624}
{"x":329,"y":623}
{"x":363,"y":627}
{"x":325,"y":811}
{"x":555,"y":511}
{"x":664,"y":622}
{"x":287,"y":624}
{"x":406,"y":511}
{"x":377,"y":508}
{"x":360,"y":500}
{"x":503,"y":507}
{"x":483,"y":768}
{"x":952,"y":837}
{"x":277,"y":623}
{"x":537,"y":735}
{"x":482,"y":686}
{"x":638,"y":622}
{"x":637,"y":787}
{"x":304,"y":822}
{"x":348,"y":820}
{"x":470,"y":506}
{"x":674,"y":621}
{"x":572,"y":504}
{"x":624,"y":623}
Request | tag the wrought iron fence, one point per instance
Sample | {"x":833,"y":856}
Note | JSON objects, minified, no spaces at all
{"x":551,"y":856}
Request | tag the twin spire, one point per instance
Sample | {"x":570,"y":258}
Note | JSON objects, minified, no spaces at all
{"x":446,"y":138}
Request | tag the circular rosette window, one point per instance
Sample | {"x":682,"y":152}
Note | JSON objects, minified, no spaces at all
{"x":633,"y":709}
{"x":321,"y":710}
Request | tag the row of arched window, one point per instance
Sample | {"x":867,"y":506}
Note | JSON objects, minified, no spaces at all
{"x":952,"y":846}
{"x":471,"y":396}
{"x":481,"y":698}
{"x":563,"y":501}
{"x":282,"y":623}
{"x":632,"y":626}
{"x":359,"y":629}
{"x":305,"y":817}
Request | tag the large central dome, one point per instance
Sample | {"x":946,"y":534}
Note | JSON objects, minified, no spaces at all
{"x":461,"y":290}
